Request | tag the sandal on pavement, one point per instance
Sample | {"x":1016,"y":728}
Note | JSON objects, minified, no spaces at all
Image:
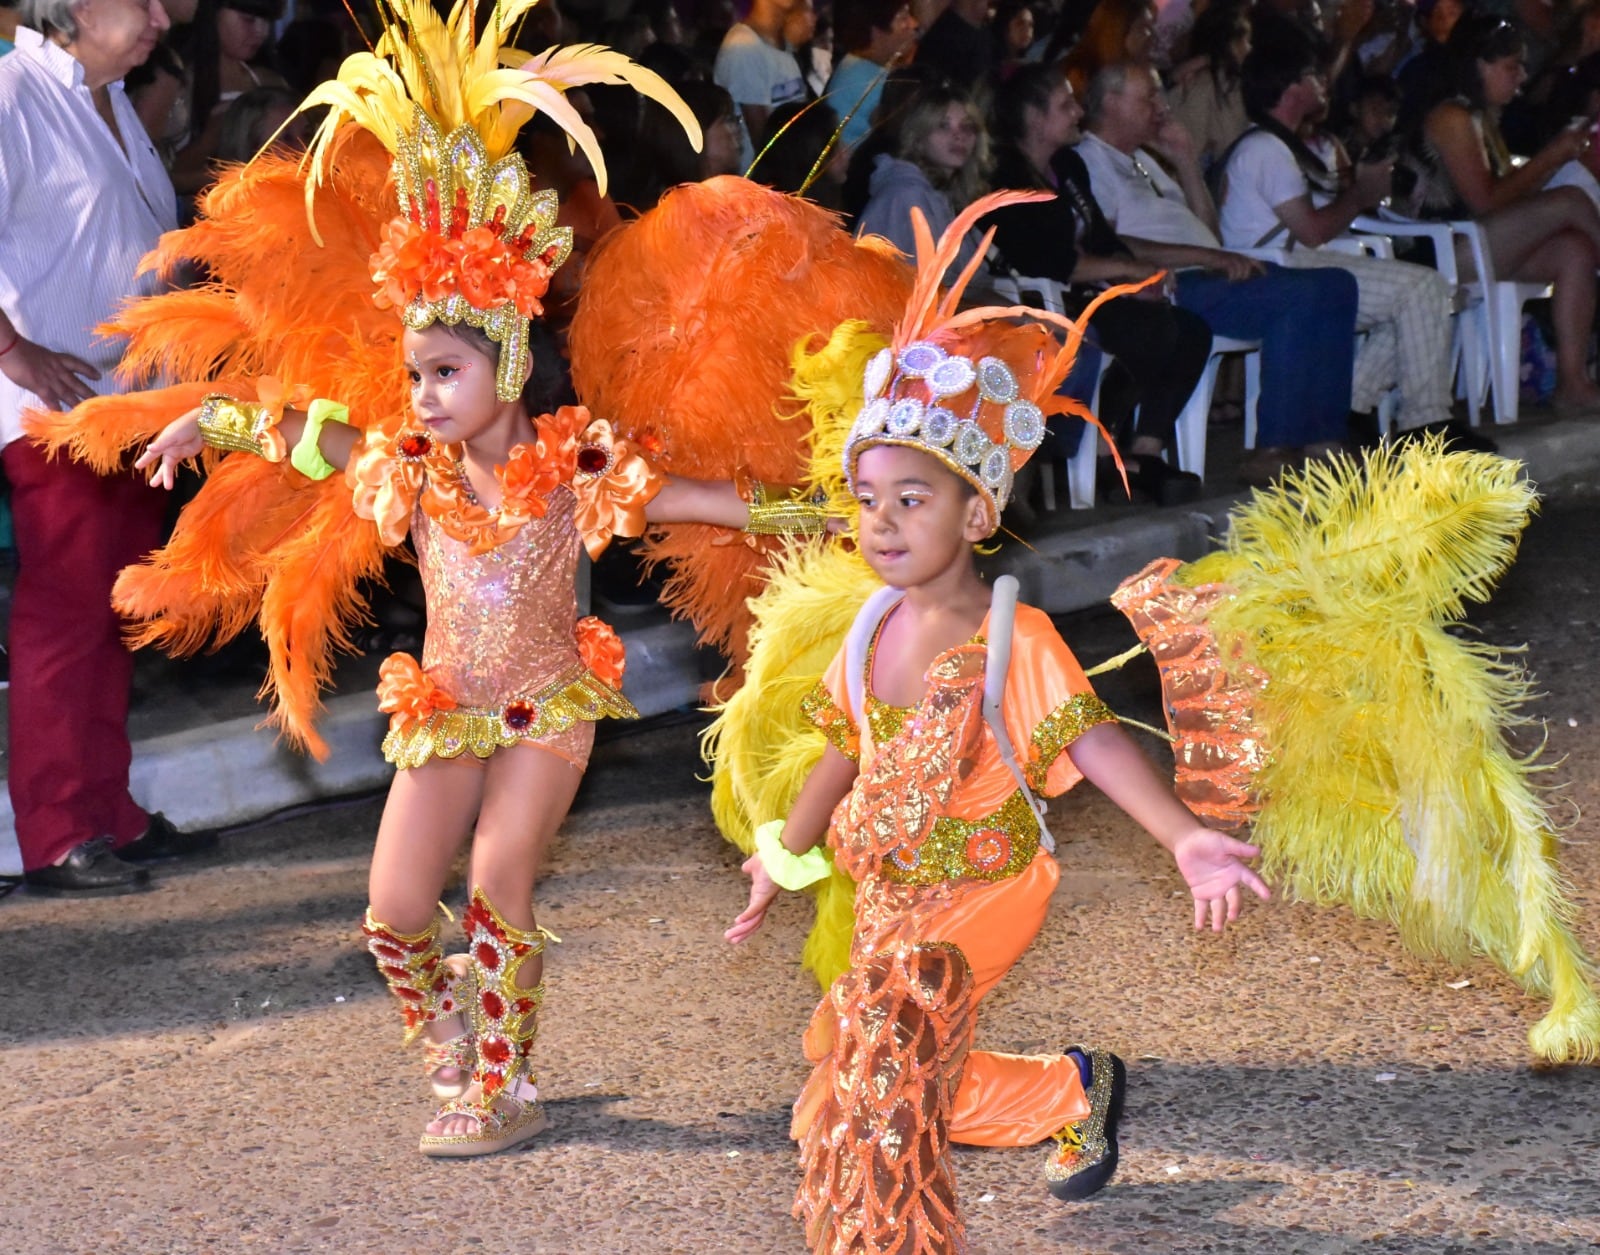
{"x":1085,"y":1152}
{"x":515,"y":1117}
{"x":505,"y":1022}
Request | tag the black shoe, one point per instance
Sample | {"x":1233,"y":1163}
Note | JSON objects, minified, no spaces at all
{"x":89,"y":869}
{"x":1151,"y":478}
{"x":1085,"y":1153}
{"x":162,"y":843}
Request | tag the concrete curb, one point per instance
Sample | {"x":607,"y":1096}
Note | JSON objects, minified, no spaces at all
{"x":233,"y":772}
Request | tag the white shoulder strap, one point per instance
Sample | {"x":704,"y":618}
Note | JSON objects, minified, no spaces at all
{"x":1002,"y":622}
{"x":872,"y":612}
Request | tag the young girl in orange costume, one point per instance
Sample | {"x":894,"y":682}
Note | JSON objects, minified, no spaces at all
{"x":492,"y":731}
{"x":929,"y":778}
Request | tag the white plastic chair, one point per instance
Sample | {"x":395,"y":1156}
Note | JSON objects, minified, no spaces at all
{"x":1487,"y":342}
{"x":1189,"y":439}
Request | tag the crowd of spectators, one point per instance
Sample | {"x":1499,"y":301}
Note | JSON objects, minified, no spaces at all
{"x":1183,"y":138}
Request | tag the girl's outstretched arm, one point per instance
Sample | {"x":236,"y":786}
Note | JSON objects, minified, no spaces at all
{"x":803,"y":830}
{"x":181,"y":439}
{"x":716,"y":502}
{"x":1212,"y":863}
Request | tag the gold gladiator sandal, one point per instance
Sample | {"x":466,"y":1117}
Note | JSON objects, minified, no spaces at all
{"x":430,"y":987}
{"x":1085,"y":1152}
{"x":505,"y":1023}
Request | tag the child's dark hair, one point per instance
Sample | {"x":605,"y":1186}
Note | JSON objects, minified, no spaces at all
{"x":549,"y":387}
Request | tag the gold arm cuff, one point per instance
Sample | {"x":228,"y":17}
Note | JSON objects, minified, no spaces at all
{"x":786,"y":514}
{"x":237,"y":426}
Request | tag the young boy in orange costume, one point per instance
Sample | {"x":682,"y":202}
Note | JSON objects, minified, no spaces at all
{"x":930,"y":777}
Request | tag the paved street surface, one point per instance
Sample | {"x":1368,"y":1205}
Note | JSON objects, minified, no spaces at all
{"x":214,"y":1066}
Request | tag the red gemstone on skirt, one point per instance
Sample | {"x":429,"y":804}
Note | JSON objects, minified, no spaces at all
{"x":519,"y":716}
{"x":416,"y":444}
{"x":487,"y":956}
{"x":592,"y":459}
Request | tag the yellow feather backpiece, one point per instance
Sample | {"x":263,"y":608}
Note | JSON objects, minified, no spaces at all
{"x":1390,"y":787}
{"x":762,"y":747}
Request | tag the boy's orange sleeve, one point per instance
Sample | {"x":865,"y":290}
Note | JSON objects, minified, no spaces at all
{"x":827,"y":707}
{"x":1049,"y":703}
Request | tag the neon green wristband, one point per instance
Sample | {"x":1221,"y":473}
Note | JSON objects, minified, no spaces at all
{"x":307,"y":456}
{"x":788,"y":870}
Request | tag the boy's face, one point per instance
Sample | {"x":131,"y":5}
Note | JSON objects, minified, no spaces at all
{"x":918,"y":519}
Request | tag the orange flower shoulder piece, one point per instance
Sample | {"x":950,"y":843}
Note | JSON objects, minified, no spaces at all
{"x":612,"y":480}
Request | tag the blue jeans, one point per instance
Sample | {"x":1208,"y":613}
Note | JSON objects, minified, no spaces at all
{"x":1306,"y":322}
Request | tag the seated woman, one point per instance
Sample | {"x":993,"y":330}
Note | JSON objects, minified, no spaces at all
{"x":1206,"y":94}
{"x":1161,"y":350}
{"x":939,"y":165}
{"x":1536,"y":233}
{"x":230,"y":49}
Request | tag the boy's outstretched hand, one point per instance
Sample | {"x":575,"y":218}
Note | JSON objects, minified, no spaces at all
{"x":762,"y":893}
{"x":1213,"y":865}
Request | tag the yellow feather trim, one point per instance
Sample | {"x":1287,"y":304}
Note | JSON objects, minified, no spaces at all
{"x":761,"y":748}
{"x":1390,"y":787}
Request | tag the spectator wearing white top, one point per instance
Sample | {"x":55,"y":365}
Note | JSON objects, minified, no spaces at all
{"x":1304,"y":319}
{"x":757,"y":70}
{"x":83,"y":196}
{"x":1276,"y":192}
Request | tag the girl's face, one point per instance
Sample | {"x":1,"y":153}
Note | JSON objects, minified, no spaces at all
{"x":720,"y":153}
{"x":950,"y":145}
{"x":452,"y":385}
{"x":240,"y":34}
{"x":918,"y":519}
{"x":1019,"y":32}
{"x":1502,"y":79}
{"x":1239,"y":48}
{"x":1375,"y":117}
{"x":1057,"y":123}
{"x":1141,"y":35}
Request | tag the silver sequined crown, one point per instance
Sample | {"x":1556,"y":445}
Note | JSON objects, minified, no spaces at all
{"x":977,"y":445}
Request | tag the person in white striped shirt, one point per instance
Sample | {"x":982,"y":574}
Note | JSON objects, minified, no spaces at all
{"x":83,"y":196}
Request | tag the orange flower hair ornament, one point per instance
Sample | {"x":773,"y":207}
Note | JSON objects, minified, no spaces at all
{"x":972,"y":387}
{"x":474,"y":243}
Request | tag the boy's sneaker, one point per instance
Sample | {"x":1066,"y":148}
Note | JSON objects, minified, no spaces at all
{"x":1084,"y":1154}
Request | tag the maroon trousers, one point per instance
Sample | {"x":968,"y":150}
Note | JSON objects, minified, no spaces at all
{"x":70,"y":672}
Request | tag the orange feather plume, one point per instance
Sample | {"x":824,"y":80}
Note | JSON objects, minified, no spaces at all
{"x":684,"y":338}
{"x":259,"y":542}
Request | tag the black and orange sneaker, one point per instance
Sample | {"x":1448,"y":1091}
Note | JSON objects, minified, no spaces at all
{"x":1084,"y":1154}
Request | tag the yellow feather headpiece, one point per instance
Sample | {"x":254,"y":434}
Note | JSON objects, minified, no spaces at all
{"x":474,"y":242}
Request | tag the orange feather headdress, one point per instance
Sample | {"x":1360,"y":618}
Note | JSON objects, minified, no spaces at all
{"x":473,"y":242}
{"x":971,"y":387}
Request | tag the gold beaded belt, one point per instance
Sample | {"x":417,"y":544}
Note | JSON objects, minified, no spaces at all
{"x":998,"y":846}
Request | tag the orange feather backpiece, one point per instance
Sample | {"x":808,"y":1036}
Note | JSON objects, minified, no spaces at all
{"x":684,"y":338}
{"x":259,"y":541}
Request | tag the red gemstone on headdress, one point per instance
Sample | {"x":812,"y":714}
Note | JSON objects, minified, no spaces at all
{"x":593,"y":459}
{"x":548,"y":257}
{"x":498,"y":222}
{"x":414,"y":445}
{"x":430,"y":199}
{"x":458,"y":214}
{"x":519,"y":716}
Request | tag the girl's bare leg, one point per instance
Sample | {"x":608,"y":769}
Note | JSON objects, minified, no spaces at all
{"x":1517,"y":232}
{"x":526,"y":796}
{"x":426,"y":818}
{"x":1567,"y":260}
